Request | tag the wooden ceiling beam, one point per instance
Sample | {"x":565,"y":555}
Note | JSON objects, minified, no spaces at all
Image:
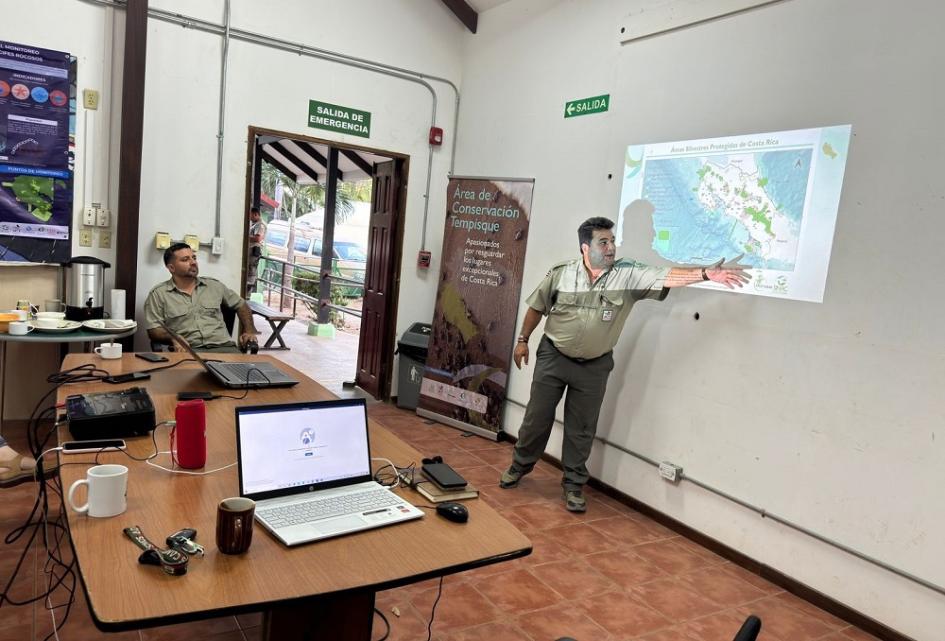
{"x":295,"y":159}
{"x":466,"y":14}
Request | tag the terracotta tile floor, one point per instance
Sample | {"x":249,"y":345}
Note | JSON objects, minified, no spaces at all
{"x":608,"y":575}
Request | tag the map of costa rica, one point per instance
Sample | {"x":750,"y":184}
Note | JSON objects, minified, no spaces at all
{"x":769,"y":198}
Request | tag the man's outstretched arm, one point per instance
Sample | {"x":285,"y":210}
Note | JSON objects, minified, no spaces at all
{"x":731,"y":275}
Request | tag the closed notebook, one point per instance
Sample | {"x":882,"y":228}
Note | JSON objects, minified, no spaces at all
{"x":437,"y":494}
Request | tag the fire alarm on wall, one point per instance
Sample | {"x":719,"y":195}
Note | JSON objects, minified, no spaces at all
{"x":423,"y":259}
{"x":436,"y":136}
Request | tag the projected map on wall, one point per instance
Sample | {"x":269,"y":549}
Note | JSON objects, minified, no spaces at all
{"x":770,"y":197}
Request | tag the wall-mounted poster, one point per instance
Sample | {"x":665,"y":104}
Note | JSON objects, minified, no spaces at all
{"x":37,"y":159}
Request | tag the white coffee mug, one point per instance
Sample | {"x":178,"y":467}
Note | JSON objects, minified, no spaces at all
{"x":109,"y":350}
{"x":20,"y":328}
{"x":21,"y":314}
{"x":108,"y":489}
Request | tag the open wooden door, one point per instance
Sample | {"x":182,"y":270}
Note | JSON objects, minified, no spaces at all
{"x":376,"y":347}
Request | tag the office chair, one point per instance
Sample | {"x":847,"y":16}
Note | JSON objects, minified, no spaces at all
{"x":748,"y":632}
{"x":229,"y":320}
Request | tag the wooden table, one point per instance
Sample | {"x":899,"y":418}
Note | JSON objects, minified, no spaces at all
{"x":323,"y":590}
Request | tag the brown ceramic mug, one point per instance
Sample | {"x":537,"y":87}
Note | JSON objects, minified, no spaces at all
{"x":235,"y":524}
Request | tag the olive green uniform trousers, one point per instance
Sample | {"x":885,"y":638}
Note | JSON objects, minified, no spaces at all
{"x":586,"y":382}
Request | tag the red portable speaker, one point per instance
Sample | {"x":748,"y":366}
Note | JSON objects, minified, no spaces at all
{"x":190,"y":434}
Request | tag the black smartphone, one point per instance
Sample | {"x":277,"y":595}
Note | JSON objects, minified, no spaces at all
{"x":129,"y":377}
{"x":443,"y":475}
{"x":84,"y":447}
{"x":151,"y":358}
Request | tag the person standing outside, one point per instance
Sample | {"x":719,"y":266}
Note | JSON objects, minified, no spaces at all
{"x":257,"y":235}
{"x":587,"y":301}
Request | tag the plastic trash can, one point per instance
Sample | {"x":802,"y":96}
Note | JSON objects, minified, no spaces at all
{"x":412,"y":348}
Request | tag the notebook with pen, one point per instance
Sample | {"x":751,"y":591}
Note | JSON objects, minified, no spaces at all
{"x":308,"y":467}
{"x":253,"y":374}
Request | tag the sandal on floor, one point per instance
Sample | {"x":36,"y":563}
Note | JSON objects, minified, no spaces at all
{"x":19,"y":469}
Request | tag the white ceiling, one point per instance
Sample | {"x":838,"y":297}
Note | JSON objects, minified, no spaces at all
{"x":484,"y":5}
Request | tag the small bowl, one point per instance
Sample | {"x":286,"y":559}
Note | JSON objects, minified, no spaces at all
{"x":51,"y":315}
{"x":49,"y":323}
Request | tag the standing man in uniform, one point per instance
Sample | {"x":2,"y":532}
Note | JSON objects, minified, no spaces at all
{"x":257,"y":234}
{"x":587,"y":301}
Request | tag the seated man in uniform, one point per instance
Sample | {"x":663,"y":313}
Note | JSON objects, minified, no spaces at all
{"x":190,"y":305}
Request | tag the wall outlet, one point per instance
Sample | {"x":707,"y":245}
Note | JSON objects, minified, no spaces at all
{"x":216,"y":247}
{"x":162,"y":240}
{"x":103,"y":218}
{"x":105,"y":239}
{"x":671,"y":472}
{"x":88,"y":216}
{"x":193,"y":240}
{"x":90,"y":98}
{"x":85,"y":238}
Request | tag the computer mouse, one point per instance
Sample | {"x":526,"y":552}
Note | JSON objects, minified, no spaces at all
{"x":453,"y":512}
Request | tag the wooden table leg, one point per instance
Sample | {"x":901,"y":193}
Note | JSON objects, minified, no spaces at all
{"x":336,"y":618}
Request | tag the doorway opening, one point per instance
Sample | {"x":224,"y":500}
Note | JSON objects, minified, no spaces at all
{"x":323,"y":254}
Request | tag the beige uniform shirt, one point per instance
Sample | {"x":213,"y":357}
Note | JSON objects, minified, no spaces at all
{"x":196,"y":317}
{"x":257,"y":228}
{"x":584,"y":318}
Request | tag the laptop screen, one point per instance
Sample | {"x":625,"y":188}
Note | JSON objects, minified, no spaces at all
{"x":300,"y":447}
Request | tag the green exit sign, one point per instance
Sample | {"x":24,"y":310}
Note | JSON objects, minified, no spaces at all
{"x":345,"y":120}
{"x":585,"y":106}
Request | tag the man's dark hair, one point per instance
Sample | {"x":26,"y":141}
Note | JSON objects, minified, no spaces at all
{"x":173,"y":249}
{"x":254,"y":210}
{"x":586,"y":230}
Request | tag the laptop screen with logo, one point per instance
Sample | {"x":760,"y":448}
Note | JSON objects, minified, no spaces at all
{"x":300,"y":447}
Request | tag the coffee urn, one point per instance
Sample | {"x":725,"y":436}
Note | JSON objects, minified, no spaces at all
{"x":85,"y":288}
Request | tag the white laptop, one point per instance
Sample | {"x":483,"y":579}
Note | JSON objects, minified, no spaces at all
{"x":308,"y":467}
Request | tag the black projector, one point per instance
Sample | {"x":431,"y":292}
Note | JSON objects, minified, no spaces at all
{"x":127,"y":412}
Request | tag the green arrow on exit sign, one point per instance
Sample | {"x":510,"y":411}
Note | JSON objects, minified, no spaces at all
{"x":585,"y":106}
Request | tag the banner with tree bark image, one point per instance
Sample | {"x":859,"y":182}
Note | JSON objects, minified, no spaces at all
{"x":470,"y":351}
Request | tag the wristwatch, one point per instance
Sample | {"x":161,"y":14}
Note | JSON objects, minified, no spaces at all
{"x":704,"y":275}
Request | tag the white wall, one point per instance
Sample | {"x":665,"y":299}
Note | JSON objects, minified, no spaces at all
{"x":271,"y":89}
{"x":829,"y":415}
{"x":266,"y":88}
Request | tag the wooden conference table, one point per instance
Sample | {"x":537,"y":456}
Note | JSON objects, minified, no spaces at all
{"x":323,"y":590}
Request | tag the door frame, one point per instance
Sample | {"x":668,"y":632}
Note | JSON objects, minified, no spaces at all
{"x":390,"y":332}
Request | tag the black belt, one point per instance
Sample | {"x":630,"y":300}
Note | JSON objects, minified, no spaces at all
{"x":581,"y":361}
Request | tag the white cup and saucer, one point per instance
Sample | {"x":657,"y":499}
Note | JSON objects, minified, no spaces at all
{"x":20,"y":328}
{"x":109,"y":351}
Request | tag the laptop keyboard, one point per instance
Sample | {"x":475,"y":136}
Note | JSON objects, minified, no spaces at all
{"x":243,"y":371}
{"x":317,"y":509}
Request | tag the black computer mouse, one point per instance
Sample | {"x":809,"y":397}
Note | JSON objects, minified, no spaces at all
{"x":453,"y":512}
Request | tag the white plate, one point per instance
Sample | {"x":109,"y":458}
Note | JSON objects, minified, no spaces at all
{"x":110,"y":326}
{"x":65,"y":327}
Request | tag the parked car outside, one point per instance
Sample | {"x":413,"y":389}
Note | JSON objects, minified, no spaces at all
{"x":349,"y":257}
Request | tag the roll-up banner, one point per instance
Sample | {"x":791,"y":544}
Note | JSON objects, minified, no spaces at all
{"x":470,"y":352}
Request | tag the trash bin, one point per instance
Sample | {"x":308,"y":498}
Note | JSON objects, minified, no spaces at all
{"x":412,"y":348}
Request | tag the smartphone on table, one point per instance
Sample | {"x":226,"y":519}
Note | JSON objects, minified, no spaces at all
{"x":93,"y":446}
{"x":151,"y":357}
